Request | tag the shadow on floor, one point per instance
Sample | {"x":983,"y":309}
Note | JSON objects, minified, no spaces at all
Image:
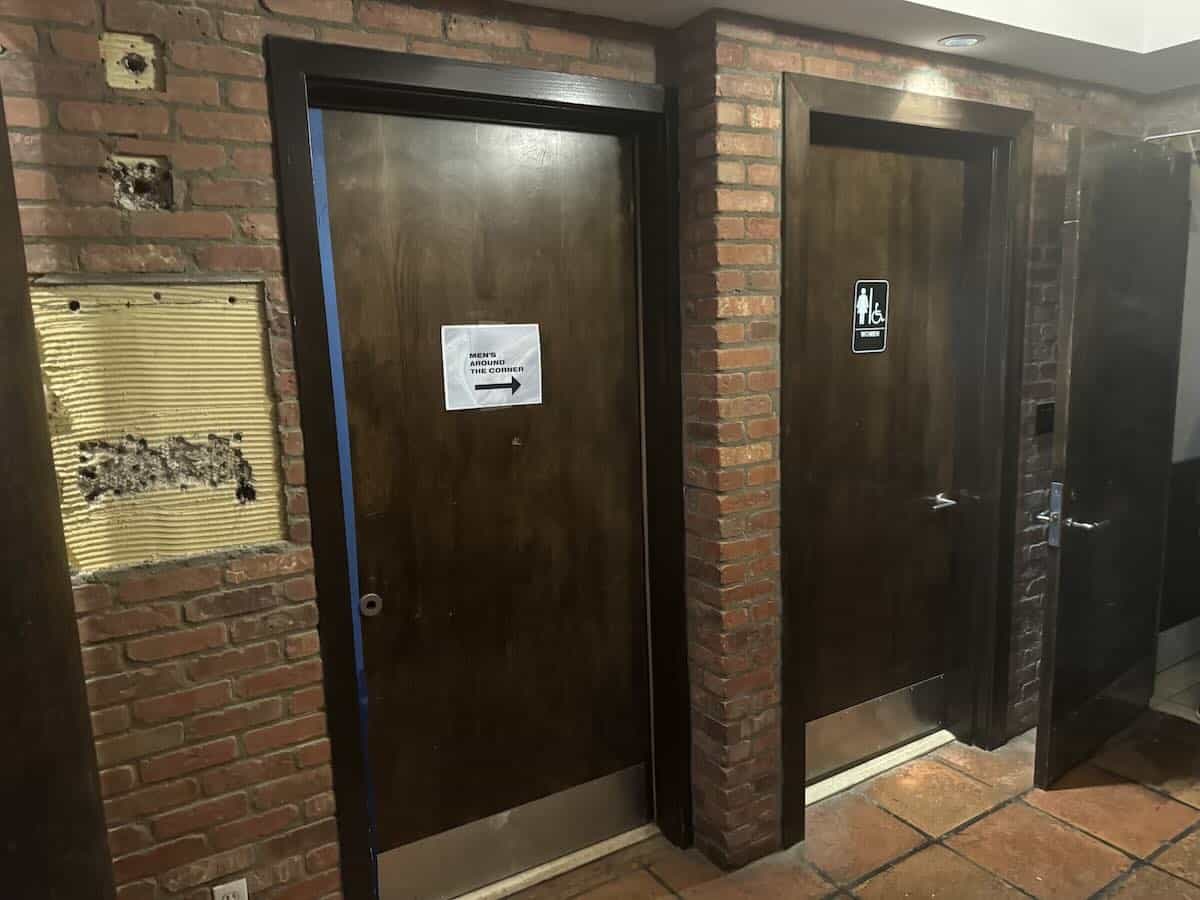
{"x":962,"y":823}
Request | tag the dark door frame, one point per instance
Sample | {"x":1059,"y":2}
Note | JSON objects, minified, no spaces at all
{"x":978,"y":707}
{"x":303,"y":74}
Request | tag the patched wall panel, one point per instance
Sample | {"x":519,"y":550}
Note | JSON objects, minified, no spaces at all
{"x":161,"y":419}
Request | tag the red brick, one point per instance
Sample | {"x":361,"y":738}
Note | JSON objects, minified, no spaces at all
{"x":132,"y":258}
{"x":242,"y":29}
{"x":277,"y":621}
{"x":148,"y":801}
{"x":256,"y":568}
{"x":740,"y":143}
{"x":293,"y":731}
{"x":732,"y":200}
{"x":235,"y":718}
{"x":429,"y":48}
{"x":75,"y":12}
{"x":553,"y":40}
{"x":240,"y":258}
{"x":217,"y":867}
{"x":184,"y":703}
{"x":55,"y":149}
{"x":215,"y":58}
{"x":260,"y":226}
{"x":183,"y":156}
{"x":215,"y":665}
{"x":26,"y":112}
{"x":400,"y":17}
{"x":300,"y":840}
{"x":246,"y":94}
{"x":108,"y":689}
{"x":136,"y":744}
{"x":292,"y":789}
{"x":247,"y":772}
{"x":257,"y":161}
{"x":16,"y":38}
{"x":113,"y":118}
{"x":139,"y":588}
{"x":77,"y":46}
{"x":138,"y":890}
{"x":829,"y":68}
{"x":320,"y":806}
{"x":88,"y":187}
{"x":91,"y":597}
{"x":163,"y":857}
{"x":301,"y":645}
{"x":191,"y":224}
{"x":281,"y":678}
{"x":122,"y":623}
{"x":188,"y":759}
{"x":233,"y":192}
{"x":199,"y":90}
{"x":313,"y":754}
{"x":396,"y":43}
{"x":299,"y":589}
{"x":110,"y":721}
{"x":231,"y":603}
{"x":328,"y":10}
{"x":169,"y":23}
{"x":128,"y":839}
{"x":751,"y":87}
{"x":254,"y":828}
{"x":321,"y":858}
{"x":208,"y":124}
{"x":306,"y":701}
{"x":55,"y":221}
{"x":199,"y":817}
{"x":475,"y":30}
{"x":117,"y":781}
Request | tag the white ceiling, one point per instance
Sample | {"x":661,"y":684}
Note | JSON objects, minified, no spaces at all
{"x":1140,"y":45}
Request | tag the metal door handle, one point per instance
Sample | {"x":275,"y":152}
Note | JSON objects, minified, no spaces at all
{"x":1048,"y":517}
{"x":942,"y":501}
{"x":1085,"y":526}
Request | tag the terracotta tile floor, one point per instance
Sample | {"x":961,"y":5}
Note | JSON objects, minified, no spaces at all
{"x":962,"y":823}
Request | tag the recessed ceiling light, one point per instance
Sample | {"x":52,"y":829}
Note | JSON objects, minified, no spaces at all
{"x":962,"y":41}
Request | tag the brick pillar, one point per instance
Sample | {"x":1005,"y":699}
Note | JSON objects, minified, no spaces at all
{"x":730,"y":164}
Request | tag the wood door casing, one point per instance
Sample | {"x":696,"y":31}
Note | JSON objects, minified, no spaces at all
{"x":875,"y":433}
{"x":510,"y":661}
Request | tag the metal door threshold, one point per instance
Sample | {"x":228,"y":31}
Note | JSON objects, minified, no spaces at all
{"x":562,"y":865}
{"x":835,"y":784}
{"x":542,"y":836}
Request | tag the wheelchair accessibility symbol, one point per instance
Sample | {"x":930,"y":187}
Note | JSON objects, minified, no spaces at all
{"x":870,"y":316}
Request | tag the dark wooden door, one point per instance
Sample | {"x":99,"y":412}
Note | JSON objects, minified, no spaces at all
{"x":870,"y":437}
{"x":510,"y":660}
{"x":1127,"y":215}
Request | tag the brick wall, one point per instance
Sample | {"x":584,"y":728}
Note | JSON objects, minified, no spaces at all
{"x":204,"y":675}
{"x":731,"y":136}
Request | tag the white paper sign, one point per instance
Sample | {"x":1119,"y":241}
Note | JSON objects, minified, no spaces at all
{"x":491,"y":365}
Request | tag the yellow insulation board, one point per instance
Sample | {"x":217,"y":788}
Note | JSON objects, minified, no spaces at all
{"x":168,"y":366}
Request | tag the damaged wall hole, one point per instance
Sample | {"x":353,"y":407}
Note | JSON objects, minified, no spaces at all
{"x":131,"y":61}
{"x":141,"y":182}
{"x":131,"y":465}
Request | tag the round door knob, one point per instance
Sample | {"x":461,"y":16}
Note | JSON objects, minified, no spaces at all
{"x":370,"y":604}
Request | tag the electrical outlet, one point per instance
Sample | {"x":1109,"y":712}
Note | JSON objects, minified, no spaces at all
{"x":234,"y":890}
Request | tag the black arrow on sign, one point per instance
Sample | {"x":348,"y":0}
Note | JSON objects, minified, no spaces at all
{"x":513,"y":385}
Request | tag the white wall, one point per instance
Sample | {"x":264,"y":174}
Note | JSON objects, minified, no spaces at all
{"x":1187,"y":404}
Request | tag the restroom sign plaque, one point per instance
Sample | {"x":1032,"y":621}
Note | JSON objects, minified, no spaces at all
{"x":870,"y":316}
{"x":491,"y":365}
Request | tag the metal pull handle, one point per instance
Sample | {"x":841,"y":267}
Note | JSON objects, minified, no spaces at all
{"x":1048,"y":518}
{"x":941,"y":500}
{"x":1085,"y":526}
